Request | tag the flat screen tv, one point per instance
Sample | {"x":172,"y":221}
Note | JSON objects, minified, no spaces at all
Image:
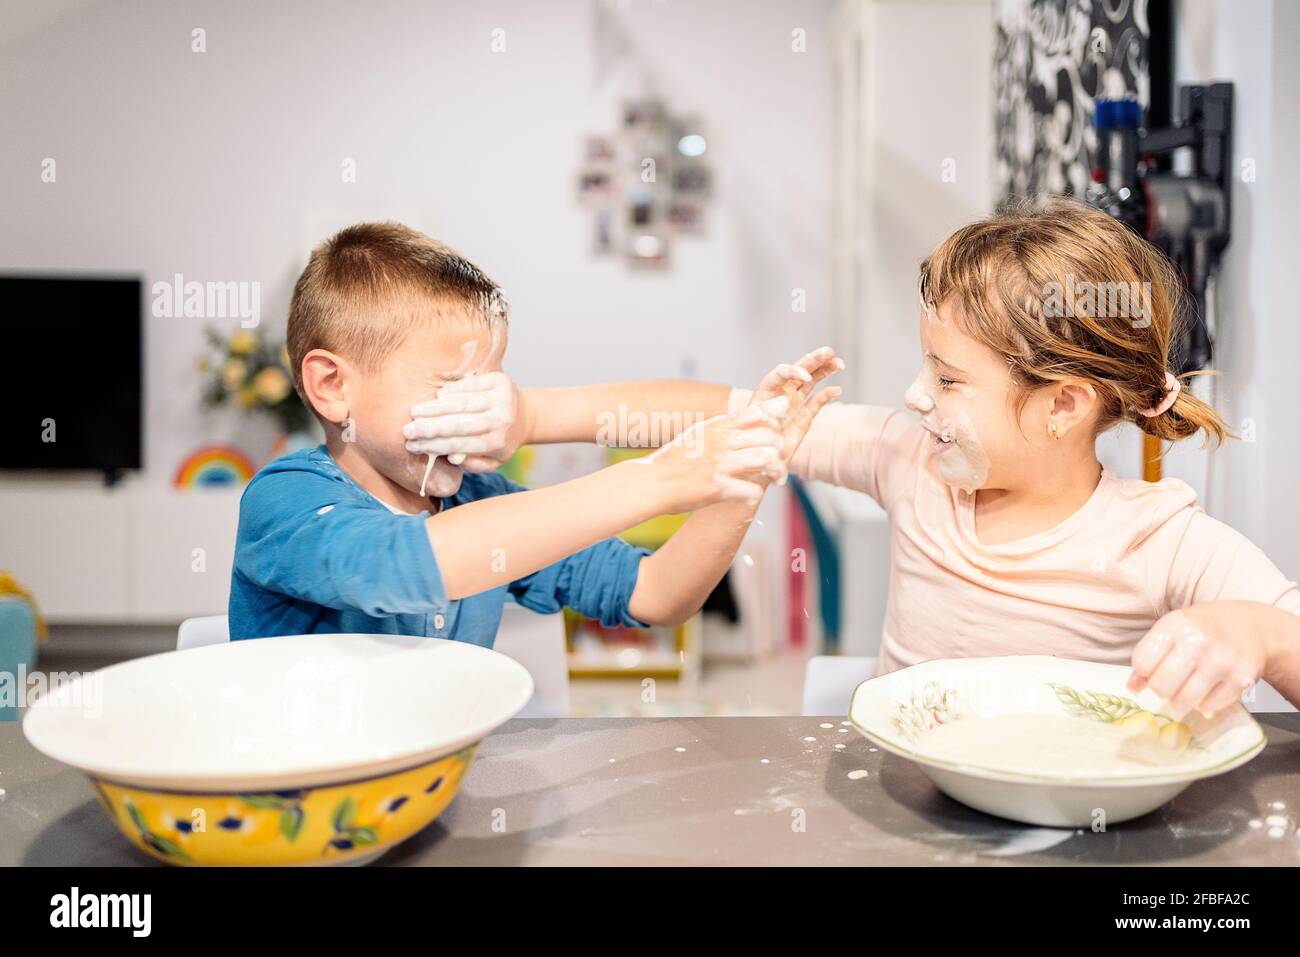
{"x":72,"y":388}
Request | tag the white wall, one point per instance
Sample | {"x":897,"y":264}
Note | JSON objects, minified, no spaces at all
{"x":925,"y":91}
{"x":914,"y":159}
{"x":1252,"y":485}
{"x":226,"y":166}
{"x":925,"y":156}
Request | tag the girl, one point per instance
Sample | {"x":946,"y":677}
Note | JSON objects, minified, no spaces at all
{"x":1039,"y":330}
{"x":1008,"y":535}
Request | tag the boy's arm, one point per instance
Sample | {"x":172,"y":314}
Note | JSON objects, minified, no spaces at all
{"x":486,"y":418}
{"x":576,"y":413}
{"x":673,"y":583}
{"x":485,"y":544}
{"x":582,"y":413}
{"x":482,"y":545}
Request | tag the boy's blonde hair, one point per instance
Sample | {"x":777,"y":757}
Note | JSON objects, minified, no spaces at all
{"x":1043,"y":286}
{"x":368,"y":285}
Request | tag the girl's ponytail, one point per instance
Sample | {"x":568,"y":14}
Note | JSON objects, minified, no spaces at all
{"x":1185,"y":417}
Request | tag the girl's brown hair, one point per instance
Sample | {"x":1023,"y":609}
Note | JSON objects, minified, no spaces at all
{"x":1065,"y":291}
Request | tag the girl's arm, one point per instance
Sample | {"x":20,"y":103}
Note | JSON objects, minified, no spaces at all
{"x":1232,"y":617}
{"x":1281,"y":631}
{"x":599,"y":413}
{"x":1204,"y":656}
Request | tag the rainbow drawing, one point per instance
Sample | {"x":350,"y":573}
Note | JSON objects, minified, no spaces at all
{"x":214,"y":466}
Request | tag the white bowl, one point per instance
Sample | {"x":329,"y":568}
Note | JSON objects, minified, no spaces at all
{"x":899,"y":710}
{"x":297,"y":750}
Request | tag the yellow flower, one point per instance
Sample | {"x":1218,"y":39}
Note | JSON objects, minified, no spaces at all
{"x":233,"y":373}
{"x":242,"y":343}
{"x":271,"y":384}
{"x":247,"y":397}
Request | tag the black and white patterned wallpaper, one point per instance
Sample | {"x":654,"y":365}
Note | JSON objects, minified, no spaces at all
{"x":1052,"y":59}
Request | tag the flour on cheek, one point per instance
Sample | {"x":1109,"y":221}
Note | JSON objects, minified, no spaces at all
{"x":963,"y":463}
{"x":956,"y":454}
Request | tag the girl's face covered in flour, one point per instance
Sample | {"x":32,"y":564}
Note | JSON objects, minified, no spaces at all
{"x":965,"y":398}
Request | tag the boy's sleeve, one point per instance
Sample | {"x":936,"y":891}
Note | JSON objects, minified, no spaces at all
{"x":596,"y":582}
{"x":301,"y":536}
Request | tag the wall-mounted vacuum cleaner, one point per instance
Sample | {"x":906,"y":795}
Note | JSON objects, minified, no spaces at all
{"x":1186,"y":215}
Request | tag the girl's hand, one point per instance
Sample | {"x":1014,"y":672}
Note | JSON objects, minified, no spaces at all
{"x":1200,"y":657}
{"x":726,"y":458}
{"x":479,"y":418}
{"x":787,"y":393}
{"x":808,"y":371}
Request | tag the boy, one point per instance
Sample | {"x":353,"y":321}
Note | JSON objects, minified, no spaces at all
{"x":344,"y":538}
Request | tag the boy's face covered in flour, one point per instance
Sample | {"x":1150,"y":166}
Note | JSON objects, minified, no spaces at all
{"x":965,"y":398}
{"x":433,"y":354}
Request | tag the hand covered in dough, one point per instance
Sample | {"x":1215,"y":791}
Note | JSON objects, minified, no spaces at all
{"x":1201,"y":657}
{"x":787,"y":393}
{"x":477,"y":422}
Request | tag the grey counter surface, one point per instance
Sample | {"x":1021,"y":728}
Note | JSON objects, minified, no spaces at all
{"x":655,"y":791}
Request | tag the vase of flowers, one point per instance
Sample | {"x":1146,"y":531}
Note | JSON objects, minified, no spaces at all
{"x":252,"y":374}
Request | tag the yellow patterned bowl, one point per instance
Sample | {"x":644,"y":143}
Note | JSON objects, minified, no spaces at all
{"x":311,"y":749}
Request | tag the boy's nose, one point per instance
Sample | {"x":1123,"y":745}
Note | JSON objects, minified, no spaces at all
{"x":917,"y":399}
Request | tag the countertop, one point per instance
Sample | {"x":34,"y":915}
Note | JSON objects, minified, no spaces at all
{"x":738,"y":790}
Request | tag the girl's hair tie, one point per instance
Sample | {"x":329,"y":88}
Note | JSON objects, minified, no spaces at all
{"x":1172,"y":388}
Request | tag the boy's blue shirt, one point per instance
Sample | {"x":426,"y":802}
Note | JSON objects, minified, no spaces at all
{"x":318,"y":554}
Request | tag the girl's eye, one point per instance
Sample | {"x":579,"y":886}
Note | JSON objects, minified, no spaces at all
{"x":945,"y":384}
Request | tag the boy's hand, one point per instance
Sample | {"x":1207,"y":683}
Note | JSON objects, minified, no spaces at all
{"x":726,"y":458}
{"x":480,"y":418}
{"x":787,"y":393}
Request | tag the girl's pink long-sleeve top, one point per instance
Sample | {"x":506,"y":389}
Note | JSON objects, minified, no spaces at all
{"x":1089,"y":588}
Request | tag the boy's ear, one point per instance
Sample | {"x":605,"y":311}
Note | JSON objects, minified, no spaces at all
{"x":324,"y":379}
{"x":1073,"y":404}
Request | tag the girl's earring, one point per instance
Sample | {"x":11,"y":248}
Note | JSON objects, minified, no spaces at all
{"x":1052,"y":430}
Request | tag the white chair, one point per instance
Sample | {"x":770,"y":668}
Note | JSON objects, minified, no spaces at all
{"x":829,"y":680}
{"x":197,"y":632}
{"x":1264,"y":697}
{"x":538,"y":643}
{"x":535,"y":641}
